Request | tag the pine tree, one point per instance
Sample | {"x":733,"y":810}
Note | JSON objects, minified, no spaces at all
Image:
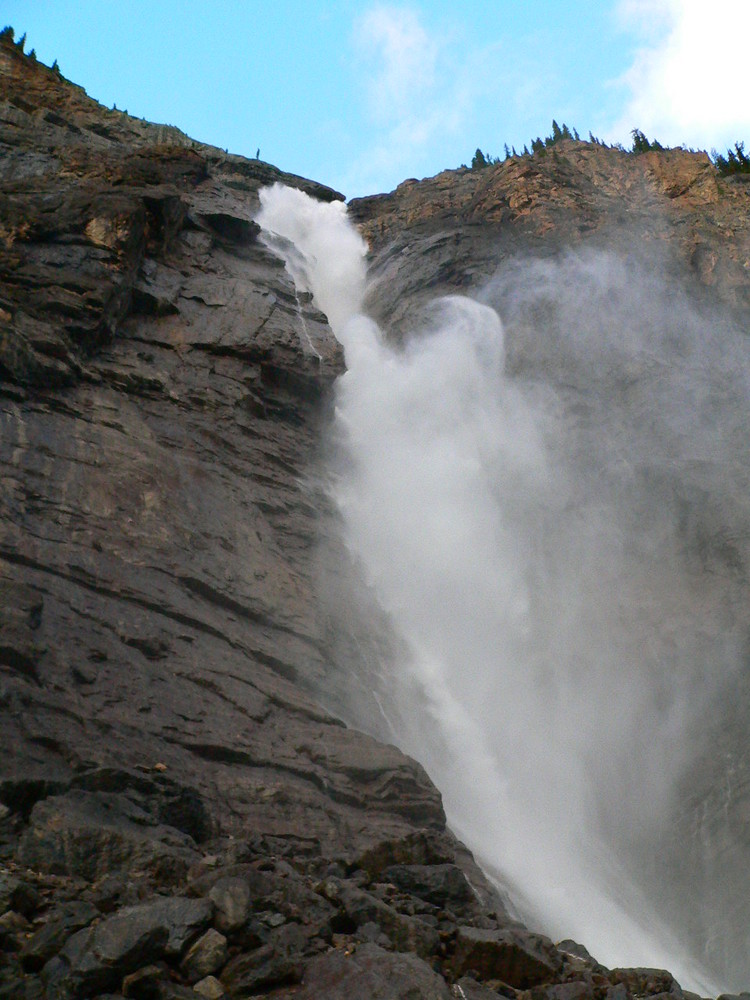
{"x":735,"y":162}
{"x":478,"y":161}
{"x":641,"y":144}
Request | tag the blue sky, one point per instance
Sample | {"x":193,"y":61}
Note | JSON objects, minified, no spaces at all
{"x":362,"y":95}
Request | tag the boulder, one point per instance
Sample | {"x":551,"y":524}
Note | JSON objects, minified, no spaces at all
{"x":646,"y":982}
{"x":97,"y":958}
{"x":209,"y":988}
{"x":232,"y":900}
{"x":93,"y":833}
{"x":207,"y":955}
{"x":58,"y":926}
{"x":17,"y":894}
{"x":373,"y":973}
{"x":469,"y":989}
{"x":442,"y":885}
{"x":277,"y":963}
{"x":145,"y":984}
{"x":359,"y":907}
{"x":516,"y":957}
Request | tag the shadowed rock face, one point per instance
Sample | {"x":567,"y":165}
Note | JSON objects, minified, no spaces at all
{"x":159,"y":413}
{"x":162,"y":644}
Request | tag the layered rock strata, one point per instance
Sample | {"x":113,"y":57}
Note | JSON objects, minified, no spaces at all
{"x":162,"y":388}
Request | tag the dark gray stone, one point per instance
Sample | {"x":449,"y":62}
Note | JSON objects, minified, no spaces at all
{"x":406,"y":933}
{"x":184,"y":919}
{"x":93,"y":833}
{"x":58,"y":926}
{"x":209,"y":988}
{"x":145,"y":984}
{"x":443,"y":885}
{"x":231,"y":897}
{"x":97,"y":958}
{"x":646,"y":982}
{"x":277,"y":963}
{"x":469,"y":989}
{"x":371,"y":972}
{"x":516,"y":957}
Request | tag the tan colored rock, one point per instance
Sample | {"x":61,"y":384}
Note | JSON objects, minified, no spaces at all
{"x":205,"y":956}
{"x":209,"y":988}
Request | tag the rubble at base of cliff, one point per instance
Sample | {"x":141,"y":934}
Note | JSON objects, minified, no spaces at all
{"x":266,"y":916}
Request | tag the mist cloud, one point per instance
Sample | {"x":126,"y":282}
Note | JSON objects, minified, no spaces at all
{"x":546,"y":491}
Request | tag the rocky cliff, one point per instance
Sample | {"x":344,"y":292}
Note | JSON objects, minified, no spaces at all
{"x":178,"y":807}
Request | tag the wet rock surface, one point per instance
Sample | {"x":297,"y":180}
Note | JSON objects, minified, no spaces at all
{"x":162,"y":386}
{"x":539,"y":239}
{"x":179,"y":817}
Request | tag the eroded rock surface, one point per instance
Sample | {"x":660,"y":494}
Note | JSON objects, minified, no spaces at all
{"x":162,"y":386}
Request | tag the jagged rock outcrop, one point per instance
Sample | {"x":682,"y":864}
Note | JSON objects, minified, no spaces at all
{"x":179,"y":816}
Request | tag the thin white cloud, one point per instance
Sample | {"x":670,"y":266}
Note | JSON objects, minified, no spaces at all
{"x":401,"y":58}
{"x":429,"y":87}
{"x":415,"y":91}
{"x":688,"y":79}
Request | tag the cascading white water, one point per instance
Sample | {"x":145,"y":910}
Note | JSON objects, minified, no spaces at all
{"x":555,"y":667}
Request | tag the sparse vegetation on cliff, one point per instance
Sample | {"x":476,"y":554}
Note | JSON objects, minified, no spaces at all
{"x":8,"y":36}
{"x":480,"y":161}
{"x":538,"y":146}
{"x":736,"y":160}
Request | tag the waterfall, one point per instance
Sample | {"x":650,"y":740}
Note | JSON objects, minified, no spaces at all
{"x":526,"y":539}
